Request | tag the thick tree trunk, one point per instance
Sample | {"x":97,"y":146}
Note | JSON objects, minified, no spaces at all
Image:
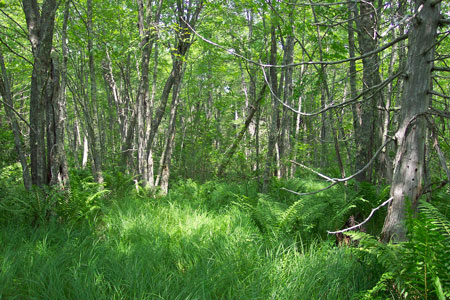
{"x":56,"y":114}
{"x":408,"y":177}
{"x":40,"y":30}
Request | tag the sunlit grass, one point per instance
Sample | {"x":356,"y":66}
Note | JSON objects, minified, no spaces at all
{"x":171,"y":249}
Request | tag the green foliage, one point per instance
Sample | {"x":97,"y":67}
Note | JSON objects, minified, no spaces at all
{"x":172,"y":248}
{"x":85,"y":201}
{"x":415,"y":269}
{"x":18,"y":206}
{"x":282,"y":214}
{"x":8,"y":155}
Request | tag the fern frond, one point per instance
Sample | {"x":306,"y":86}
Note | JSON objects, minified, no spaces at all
{"x":436,"y":217}
{"x":289,"y":214}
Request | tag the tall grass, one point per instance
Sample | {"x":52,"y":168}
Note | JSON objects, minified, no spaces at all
{"x":200,"y":242}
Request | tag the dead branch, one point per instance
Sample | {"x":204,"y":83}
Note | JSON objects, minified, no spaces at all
{"x":438,"y":94}
{"x":365,"y":221}
{"x":338,"y":180}
{"x":336,"y":62}
{"x":375,"y":88}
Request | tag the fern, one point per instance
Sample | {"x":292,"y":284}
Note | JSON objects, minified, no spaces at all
{"x":436,"y":217}
{"x":289,"y":215}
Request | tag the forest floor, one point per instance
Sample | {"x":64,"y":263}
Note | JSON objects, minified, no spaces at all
{"x":210,"y":241}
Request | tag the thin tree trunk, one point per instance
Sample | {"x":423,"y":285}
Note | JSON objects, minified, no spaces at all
{"x":164,"y":168}
{"x":92,"y":106}
{"x":5,"y":91}
{"x":366,"y":136}
{"x":268,"y":171}
{"x":230,"y":152}
{"x":143,"y":106}
{"x":185,"y":15}
{"x":352,"y":72}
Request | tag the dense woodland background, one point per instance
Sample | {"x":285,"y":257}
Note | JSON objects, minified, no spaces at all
{"x":210,"y":149}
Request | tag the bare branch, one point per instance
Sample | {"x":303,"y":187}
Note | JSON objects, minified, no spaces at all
{"x":438,"y":112}
{"x":337,"y":62}
{"x":14,"y":52}
{"x":310,"y":193}
{"x":15,"y":22}
{"x":319,"y":3}
{"x":365,"y":221}
{"x":315,"y":172}
{"x":439,"y":94}
{"x":376,"y":88}
{"x":17,"y":113}
{"x":441,"y":69}
{"x":338,"y":180}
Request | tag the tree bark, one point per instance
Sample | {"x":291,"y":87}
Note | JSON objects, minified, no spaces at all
{"x":40,"y":23}
{"x":366,"y":138}
{"x":409,"y":163}
{"x":5,"y":92}
{"x":270,"y":160}
{"x":187,"y":16}
{"x":143,"y":108}
{"x":93,"y":121}
{"x":56,"y":113}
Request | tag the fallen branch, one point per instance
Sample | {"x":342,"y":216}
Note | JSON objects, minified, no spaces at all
{"x":365,"y":221}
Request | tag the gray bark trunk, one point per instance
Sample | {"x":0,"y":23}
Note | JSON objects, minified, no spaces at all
{"x":144,"y":110}
{"x":187,"y":13}
{"x":92,"y":106}
{"x":408,"y":177}
{"x":40,"y":23}
{"x":56,"y":114}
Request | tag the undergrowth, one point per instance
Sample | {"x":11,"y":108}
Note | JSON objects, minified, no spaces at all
{"x":214,"y":240}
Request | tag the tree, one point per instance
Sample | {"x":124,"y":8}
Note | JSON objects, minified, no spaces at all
{"x":409,"y":165}
{"x":46,"y":109}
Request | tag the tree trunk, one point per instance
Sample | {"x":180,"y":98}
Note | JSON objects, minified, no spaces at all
{"x":268,"y":171}
{"x":143,"y":107}
{"x":56,"y":114}
{"x":40,"y":30}
{"x":94,"y":134}
{"x":5,"y":91}
{"x":366,"y":138}
{"x":164,"y":166}
{"x":185,"y":15}
{"x":408,"y":177}
{"x":230,"y":152}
